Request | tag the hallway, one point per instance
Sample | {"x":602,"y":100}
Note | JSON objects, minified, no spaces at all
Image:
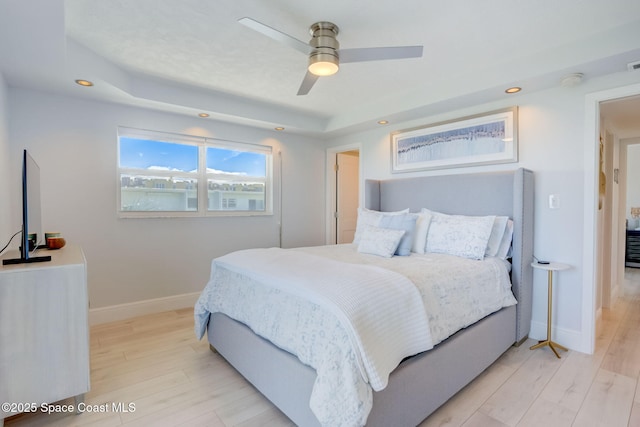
{"x":631,"y":284}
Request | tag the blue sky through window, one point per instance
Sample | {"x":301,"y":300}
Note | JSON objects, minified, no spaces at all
{"x":252,"y":164}
{"x":145,"y":154}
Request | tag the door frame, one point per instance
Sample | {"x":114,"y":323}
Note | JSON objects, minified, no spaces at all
{"x":590,"y":263}
{"x":330,"y":185}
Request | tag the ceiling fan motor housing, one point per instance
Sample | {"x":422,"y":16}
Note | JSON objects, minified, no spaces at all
{"x":325,"y":46}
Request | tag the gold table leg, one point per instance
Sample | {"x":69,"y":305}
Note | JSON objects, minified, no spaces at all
{"x":552,"y":345}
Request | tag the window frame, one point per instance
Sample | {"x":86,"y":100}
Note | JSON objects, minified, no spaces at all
{"x":201,"y":175}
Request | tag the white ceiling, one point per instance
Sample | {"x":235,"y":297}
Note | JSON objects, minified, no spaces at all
{"x":193,"y":56}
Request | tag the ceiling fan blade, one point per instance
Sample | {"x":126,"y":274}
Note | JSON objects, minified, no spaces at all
{"x":379,"y":53}
{"x":307,"y":83}
{"x":276,"y":35}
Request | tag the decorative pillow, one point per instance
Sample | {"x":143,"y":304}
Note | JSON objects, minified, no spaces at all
{"x":460,"y":235}
{"x":380,"y":241}
{"x":405,"y":222}
{"x":421,"y":230}
{"x":367,"y":217}
{"x":504,"y":251}
{"x":497,"y":232}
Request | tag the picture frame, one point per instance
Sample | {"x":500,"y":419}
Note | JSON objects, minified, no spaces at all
{"x":482,"y":139}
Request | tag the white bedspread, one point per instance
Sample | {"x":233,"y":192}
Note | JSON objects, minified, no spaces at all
{"x":381,"y":310}
{"x":455,"y":293}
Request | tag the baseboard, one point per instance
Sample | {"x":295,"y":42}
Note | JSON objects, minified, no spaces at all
{"x":140,"y":308}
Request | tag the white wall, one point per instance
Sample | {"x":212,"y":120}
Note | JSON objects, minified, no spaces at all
{"x":633,"y":180}
{"x":74,"y":142}
{"x":552,"y":143}
{"x":6,"y":229}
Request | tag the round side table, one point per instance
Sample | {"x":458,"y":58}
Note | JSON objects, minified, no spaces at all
{"x":551,"y":267}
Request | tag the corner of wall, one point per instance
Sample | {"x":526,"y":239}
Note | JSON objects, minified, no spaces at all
{"x":5,"y":174}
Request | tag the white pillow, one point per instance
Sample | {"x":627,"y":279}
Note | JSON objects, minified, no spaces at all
{"x":420,"y":232}
{"x":405,"y":222}
{"x":380,"y":241}
{"x":497,"y":232}
{"x":460,"y":235}
{"x":367,"y":217}
{"x":504,"y":251}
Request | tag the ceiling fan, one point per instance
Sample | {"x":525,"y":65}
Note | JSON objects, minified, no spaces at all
{"x":324,"y":50}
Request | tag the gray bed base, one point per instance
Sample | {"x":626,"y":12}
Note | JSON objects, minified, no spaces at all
{"x":424,"y":382}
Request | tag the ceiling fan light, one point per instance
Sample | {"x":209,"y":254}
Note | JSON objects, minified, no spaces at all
{"x":323,"y":69}
{"x":323,"y":64}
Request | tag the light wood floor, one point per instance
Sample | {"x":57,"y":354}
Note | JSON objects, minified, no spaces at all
{"x":155,"y":363}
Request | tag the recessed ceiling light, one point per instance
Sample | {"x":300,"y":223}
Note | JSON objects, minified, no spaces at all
{"x":203,"y":115}
{"x":84,"y":82}
{"x":383,"y":122}
{"x":514,"y":89}
{"x":279,"y":128}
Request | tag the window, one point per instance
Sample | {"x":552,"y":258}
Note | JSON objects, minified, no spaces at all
{"x":162,"y":174}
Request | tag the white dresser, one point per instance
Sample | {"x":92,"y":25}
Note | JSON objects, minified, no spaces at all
{"x":44,"y":330}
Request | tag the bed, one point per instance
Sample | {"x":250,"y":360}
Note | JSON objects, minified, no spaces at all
{"x":423,"y":381}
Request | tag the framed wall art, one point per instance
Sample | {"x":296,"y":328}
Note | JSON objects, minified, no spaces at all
{"x":482,"y":139}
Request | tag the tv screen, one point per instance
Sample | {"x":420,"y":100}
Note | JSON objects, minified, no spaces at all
{"x":31,"y":216}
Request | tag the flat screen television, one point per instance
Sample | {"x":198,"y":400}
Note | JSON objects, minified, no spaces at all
{"x":31,"y":216}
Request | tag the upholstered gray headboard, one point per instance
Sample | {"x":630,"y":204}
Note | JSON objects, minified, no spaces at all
{"x":497,"y":193}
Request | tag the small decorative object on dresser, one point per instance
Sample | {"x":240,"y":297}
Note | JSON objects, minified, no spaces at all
{"x":56,"y":242}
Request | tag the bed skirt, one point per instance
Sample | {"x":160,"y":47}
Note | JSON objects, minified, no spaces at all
{"x":416,"y":388}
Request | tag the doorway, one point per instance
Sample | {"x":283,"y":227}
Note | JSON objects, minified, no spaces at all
{"x":620,"y":136}
{"x":630,"y":217}
{"x":594,"y":257}
{"x":343,"y":193}
{"x":347,"y":195}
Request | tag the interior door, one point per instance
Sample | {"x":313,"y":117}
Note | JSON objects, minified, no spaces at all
{"x":347,"y":195}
